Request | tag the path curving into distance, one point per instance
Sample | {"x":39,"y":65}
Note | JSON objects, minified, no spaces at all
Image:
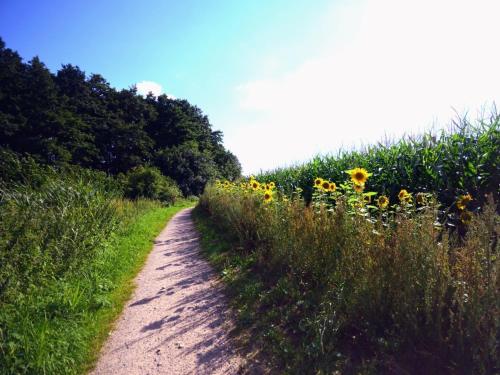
{"x":177,"y":321}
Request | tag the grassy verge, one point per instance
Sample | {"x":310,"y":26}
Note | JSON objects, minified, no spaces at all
{"x":60,"y":325}
{"x":348,"y":288}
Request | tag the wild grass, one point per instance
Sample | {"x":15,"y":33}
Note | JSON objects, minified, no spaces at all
{"x":69,"y":248}
{"x":335,"y":288}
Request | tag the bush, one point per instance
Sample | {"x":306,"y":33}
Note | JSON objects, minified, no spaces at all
{"x":149,"y":182}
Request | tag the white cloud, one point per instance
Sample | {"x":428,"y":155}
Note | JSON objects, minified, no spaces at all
{"x":403,"y":66}
{"x":145,"y":87}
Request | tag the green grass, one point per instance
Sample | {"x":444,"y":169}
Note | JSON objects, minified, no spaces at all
{"x":59,"y":324}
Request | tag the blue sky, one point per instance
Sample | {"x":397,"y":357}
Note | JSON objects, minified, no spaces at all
{"x":287,"y":78}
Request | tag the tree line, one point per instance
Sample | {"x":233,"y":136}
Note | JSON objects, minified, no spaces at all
{"x":71,"y":118}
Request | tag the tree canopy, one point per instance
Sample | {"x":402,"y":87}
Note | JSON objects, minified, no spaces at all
{"x":71,"y":118}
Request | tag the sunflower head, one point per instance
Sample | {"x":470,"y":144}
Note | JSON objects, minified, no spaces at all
{"x":318,"y":182}
{"x":268,"y":196}
{"x":325,"y":185}
{"x":272,"y":185}
{"x":358,"y":188}
{"x":463,"y":201}
{"x":255,"y":184}
{"x":359,"y":176}
{"x":421,"y":199}
{"x":367,"y":199}
{"x":383,"y":201}
{"x":332,"y":187}
{"x":465,"y":217}
{"x":404,"y":196}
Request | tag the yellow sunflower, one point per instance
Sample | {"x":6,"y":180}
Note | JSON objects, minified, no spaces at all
{"x":359,"y":176}
{"x":332,"y":187}
{"x":367,"y":199}
{"x":272,"y":185}
{"x":318,"y":182}
{"x":404,"y":196}
{"x":255,"y":184}
{"x":463,"y":201}
{"x":383,"y":201}
{"x":325,"y":185}
{"x":268,"y":196}
{"x":358,"y":188}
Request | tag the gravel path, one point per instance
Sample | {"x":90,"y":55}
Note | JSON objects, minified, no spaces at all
{"x":177,"y":320}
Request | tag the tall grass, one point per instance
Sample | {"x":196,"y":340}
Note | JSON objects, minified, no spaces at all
{"x":69,"y":246}
{"x":340,"y":289}
{"x":463,"y":159}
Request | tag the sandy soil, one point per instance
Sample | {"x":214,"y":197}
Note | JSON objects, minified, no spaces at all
{"x":177,"y":320}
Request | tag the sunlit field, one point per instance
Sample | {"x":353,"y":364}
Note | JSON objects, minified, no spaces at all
{"x":386,"y":265}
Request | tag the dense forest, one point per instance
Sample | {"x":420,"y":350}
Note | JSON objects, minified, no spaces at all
{"x":69,"y":118}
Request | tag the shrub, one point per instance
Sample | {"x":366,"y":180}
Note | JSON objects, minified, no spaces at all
{"x":148,"y":182}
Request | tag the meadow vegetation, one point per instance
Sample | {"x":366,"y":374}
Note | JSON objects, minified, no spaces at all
{"x":342,"y":271}
{"x":70,"y":244}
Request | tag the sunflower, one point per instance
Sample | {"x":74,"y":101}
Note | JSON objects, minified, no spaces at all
{"x":325,"y":185}
{"x":465,"y":217}
{"x":404,"y":196}
{"x":332,"y":187}
{"x":272,"y":185}
{"x":255,"y":184}
{"x":358,"y":188}
{"x":421,"y":199}
{"x":367,"y":198}
{"x":463,"y":200}
{"x":318,"y":182}
{"x":383,"y":201}
{"x":268,"y":196}
{"x":359,"y":176}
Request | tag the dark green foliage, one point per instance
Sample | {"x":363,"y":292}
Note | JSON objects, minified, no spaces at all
{"x":69,"y":118}
{"x":449,"y":164}
{"x":148,"y":182}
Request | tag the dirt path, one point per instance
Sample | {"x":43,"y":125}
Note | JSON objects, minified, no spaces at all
{"x":176,"y":321}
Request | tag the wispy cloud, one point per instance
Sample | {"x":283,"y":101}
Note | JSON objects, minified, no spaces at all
{"x":402,"y":66}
